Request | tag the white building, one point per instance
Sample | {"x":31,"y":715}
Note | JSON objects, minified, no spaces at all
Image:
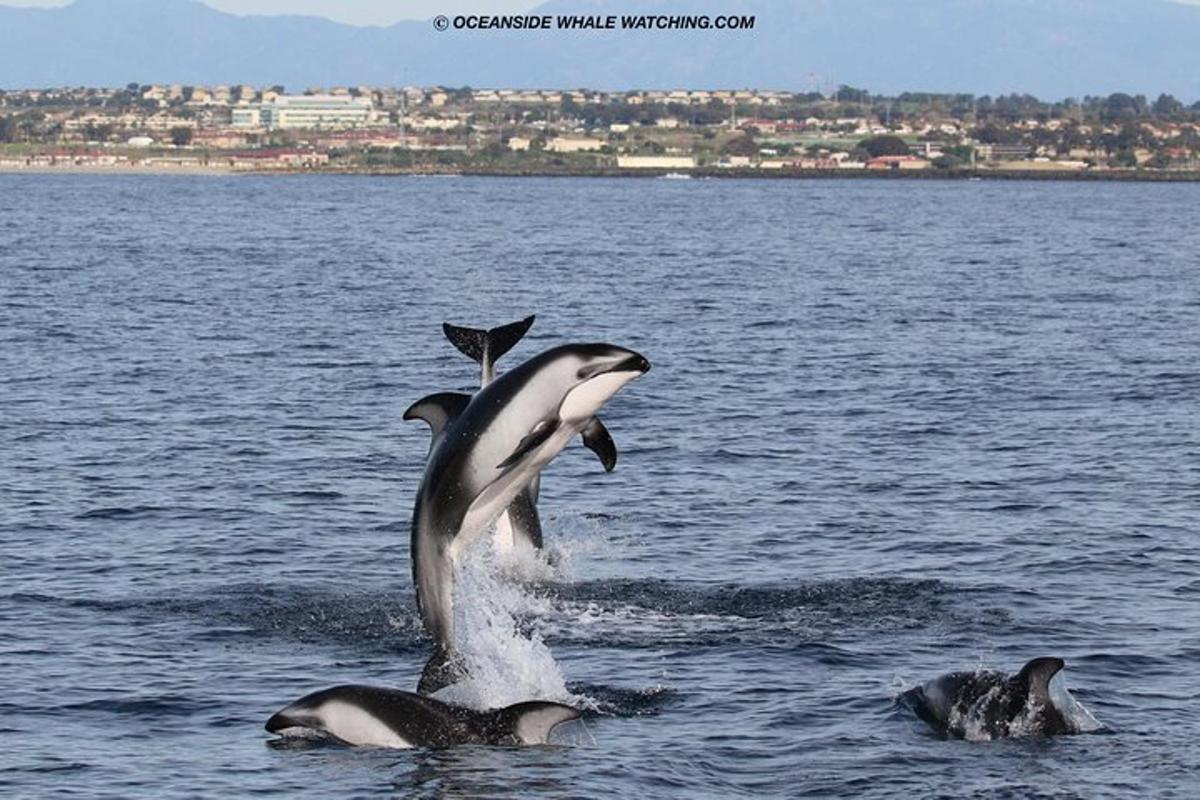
{"x":563,"y":144}
{"x":307,"y":111}
{"x":247,"y":117}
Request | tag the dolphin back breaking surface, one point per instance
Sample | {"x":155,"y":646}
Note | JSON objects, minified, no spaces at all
{"x":988,"y":704}
{"x":383,"y":717}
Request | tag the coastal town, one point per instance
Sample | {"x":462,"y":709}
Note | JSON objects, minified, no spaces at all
{"x":840,"y":131}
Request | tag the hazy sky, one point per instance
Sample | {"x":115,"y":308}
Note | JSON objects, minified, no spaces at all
{"x":357,"y":12}
{"x":362,"y":12}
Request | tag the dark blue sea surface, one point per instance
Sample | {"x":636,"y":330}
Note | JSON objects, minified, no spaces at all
{"x":893,"y":429}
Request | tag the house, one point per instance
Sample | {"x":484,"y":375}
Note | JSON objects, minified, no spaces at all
{"x":564,"y":144}
{"x":897,"y":162}
{"x":218,"y":138}
{"x":517,"y":143}
{"x":1003,"y":152}
{"x":277,"y":159}
{"x":767,"y":126}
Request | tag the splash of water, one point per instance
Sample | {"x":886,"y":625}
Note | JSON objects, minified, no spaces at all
{"x":1073,"y":711}
{"x":506,"y":658}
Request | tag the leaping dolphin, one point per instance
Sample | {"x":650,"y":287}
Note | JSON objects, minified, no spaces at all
{"x":519,"y":526}
{"x":990,"y":705}
{"x":380,"y":717}
{"x":486,"y":450}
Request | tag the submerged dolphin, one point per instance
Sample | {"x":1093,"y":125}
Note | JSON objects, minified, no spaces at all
{"x":519,"y":526}
{"x":991,"y":705}
{"x":486,"y":450}
{"x":379,"y":717}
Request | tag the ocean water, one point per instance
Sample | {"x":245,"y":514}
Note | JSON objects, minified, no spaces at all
{"x":893,"y":429}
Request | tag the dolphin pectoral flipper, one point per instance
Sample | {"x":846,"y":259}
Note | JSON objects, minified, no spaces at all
{"x":540,"y":433}
{"x":597,"y":439}
{"x":438,"y":409}
{"x":486,"y":347}
{"x":524,"y":521}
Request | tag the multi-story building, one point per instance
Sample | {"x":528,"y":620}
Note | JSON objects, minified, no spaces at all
{"x":306,"y":111}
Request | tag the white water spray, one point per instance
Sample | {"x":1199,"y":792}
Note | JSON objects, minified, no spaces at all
{"x":506,"y":658}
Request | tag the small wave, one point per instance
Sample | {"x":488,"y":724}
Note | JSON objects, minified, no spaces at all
{"x":681,"y":597}
{"x":312,"y":494}
{"x":148,"y":707}
{"x":619,"y":702}
{"x":56,"y":767}
{"x":382,"y":622}
{"x":120,"y":512}
{"x":651,"y":613}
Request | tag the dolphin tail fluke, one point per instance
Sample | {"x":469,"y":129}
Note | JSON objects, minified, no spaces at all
{"x":486,"y":347}
{"x":443,"y":669}
{"x":533,"y":722}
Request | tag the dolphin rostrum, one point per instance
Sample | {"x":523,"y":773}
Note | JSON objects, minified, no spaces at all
{"x":486,"y":450}
{"x":519,"y":527}
{"x":380,"y":717}
{"x":991,"y":705}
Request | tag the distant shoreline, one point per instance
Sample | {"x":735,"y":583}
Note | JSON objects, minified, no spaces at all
{"x":1106,"y":175}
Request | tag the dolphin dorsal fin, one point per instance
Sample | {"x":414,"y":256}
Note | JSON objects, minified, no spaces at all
{"x":597,"y":439}
{"x":532,"y":722}
{"x":1036,"y":676}
{"x":486,"y":347}
{"x":438,"y":409}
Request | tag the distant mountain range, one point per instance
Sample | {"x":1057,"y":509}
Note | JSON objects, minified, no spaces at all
{"x":1049,"y":48}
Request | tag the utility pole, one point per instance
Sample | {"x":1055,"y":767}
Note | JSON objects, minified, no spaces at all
{"x":403,"y":115}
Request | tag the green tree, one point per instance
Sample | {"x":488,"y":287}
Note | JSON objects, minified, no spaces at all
{"x":740,"y":146}
{"x":1122,"y":106}
{"x":993,"y":134}
{"x":1124,"y":159}
{"x":1070,"y":138}
{"x":97,"y":133}
{"x":849,"y":94}
{"x":885,"y":145}
{"x":1166,"y":105}
{"x":963,"y":152}
{"x":181,"y":137}
{"x":8,"y":129}
{"x":493,"y":151}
